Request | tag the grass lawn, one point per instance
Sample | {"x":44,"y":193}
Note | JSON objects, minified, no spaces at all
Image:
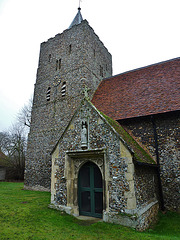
{"x":25,"y":215}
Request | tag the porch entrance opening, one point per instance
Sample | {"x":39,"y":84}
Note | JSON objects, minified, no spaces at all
{"x":90,"y":190}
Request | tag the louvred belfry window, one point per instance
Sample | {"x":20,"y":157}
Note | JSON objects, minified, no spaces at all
{"x":48,"y":94}
{"x":63,"y":89}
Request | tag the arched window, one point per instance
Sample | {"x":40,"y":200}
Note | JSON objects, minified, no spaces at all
{"x":63,"y":89}
{"x":48,"y":94}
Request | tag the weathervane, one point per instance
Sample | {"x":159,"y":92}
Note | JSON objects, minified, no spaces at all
{"x":80,"y":4}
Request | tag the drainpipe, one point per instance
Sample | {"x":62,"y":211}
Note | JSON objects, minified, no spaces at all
{"x":158,"y":164}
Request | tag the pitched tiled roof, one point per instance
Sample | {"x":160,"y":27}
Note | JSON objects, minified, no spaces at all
{"x":150,"y":90}
{"x":140,"y":154}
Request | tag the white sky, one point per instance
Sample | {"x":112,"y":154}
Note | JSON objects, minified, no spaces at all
{"x":136,"y":32}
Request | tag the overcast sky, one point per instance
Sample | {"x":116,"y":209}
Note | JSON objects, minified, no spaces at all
{"x":136,"y":32}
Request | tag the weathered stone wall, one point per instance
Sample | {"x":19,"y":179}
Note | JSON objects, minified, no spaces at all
{"x":101,"y":136}
{"x":148,"y":218}
{"x":140,"y":220}
{"x":76,"y":57}
{"x":129,"y":192}
{"x":146,"y":187}
{"x":167,"y":128}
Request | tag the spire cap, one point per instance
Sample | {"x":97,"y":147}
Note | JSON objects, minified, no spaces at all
{"x":78,"y":18}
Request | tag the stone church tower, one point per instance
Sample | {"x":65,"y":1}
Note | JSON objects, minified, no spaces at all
{"x":68,"y":63}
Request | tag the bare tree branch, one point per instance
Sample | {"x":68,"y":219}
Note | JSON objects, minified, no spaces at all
{"x":24,"y":116}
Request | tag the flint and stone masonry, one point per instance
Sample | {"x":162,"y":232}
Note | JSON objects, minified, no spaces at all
{"x":129,"y":191}
{"x":68,"y":62}
{"x":69,"y":134}
{"x":167,"y":129}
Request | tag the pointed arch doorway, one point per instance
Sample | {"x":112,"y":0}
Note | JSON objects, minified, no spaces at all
{"x":90,"y":190}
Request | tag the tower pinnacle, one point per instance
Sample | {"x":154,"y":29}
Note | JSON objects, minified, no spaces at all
{"x":78,"y":18}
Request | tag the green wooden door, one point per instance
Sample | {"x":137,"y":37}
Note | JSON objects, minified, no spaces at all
{"x":90,"y":191}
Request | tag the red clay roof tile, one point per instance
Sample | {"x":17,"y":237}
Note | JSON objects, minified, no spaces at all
{"x":145,"y":91}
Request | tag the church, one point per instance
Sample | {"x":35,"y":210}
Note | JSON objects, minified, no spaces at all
{"x":105,"y":146}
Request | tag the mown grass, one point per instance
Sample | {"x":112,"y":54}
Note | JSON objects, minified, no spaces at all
{"x":25,"y":215}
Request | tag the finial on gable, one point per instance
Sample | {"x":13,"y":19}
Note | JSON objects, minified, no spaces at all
{"x":85,"y":92}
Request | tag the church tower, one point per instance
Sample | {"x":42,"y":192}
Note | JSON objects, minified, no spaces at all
{"x":67,"y":63}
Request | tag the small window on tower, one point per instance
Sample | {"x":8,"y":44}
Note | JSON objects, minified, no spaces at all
{"x":49,"y":57}
{"x":57,"y":63}
{"x":48,"y":94}
{"x":70,"y":49}
{"x":63,"y":89}
{"x":94,"y":52}
{"x":101,"y":71}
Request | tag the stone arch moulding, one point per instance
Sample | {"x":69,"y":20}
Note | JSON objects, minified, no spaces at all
{"x":74,"y":160}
